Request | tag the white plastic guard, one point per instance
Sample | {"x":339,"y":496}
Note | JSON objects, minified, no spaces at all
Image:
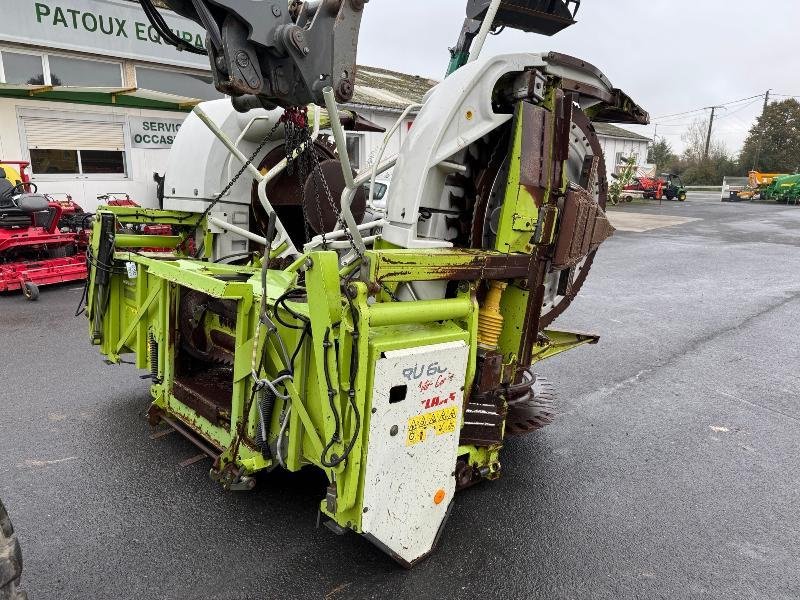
{"x":413,"y":444}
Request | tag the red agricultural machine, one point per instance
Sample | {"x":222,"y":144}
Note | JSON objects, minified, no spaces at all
{"x":43,"y":239}
{"x":667,"y":186}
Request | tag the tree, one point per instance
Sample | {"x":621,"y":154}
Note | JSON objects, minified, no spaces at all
{"x":660,"y":154}
{"x":694,"y":167}
{"x":695,"y":139}
{"x":773,"y":144}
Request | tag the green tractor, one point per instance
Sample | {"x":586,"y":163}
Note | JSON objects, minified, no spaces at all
{"x":785,"y":188}
{"x":673,"y":187}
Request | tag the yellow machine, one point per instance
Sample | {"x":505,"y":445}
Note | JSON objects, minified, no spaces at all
{"x":11,"y":173}
{"x":756,"y":183}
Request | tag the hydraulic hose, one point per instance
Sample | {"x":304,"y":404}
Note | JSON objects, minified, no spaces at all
{"x":266,"y":407}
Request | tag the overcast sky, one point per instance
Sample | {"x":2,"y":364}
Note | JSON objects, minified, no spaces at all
{"x":669,"y":55}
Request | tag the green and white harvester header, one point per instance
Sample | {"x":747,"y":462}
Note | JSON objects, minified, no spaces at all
{"x":287,"y":320}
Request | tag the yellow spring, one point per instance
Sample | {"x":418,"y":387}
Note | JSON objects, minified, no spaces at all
{"x":490,"y":321}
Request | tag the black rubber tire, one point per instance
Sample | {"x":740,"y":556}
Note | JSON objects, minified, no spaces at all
{"x":10,"y":560}
{"x":670,"y":197}
{"x":682,"y":196}
{"x":30,"y":290}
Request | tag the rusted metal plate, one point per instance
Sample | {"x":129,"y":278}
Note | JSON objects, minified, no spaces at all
{"x":602,"y":230}
{"x":584,"y":226}
{"x":565,"y":113}
{"x":586,"y":240}
{"x":536,"y":159}
{"x":453,"y":265}
{"x":589,"y":172}
{"x":578,"y":276}
{"x":615,"y":106}
{"x":484,"y":412}
{"x":545,"y":227}
{"x":208,"y":393}
{"x":533,"y":312}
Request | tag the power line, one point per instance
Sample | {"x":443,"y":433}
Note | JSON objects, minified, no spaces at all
{"x":687,"y":124}
{"x":688,"y":112}
{"x":738,"y":110}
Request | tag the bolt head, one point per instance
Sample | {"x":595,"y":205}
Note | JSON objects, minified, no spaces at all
{"x":345,"y":89}
{"x":276,"y":10}
{"x":393,"y":431}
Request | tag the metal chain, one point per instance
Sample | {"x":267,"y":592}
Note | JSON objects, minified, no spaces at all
{"x":236,"y":177}
{"x":241,"y":171}
{"x":316,"y":172}
{"x":336,"y":209}
{"x":297,"y":135}
{"x":296,"y":139}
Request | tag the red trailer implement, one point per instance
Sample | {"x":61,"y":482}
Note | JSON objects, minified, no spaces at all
{"x":42,"y":239}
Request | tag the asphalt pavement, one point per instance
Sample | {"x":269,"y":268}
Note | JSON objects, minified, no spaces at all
{"x":672,"y":470}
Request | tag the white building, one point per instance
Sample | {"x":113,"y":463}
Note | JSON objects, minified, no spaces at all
{"x":619,"y":145}
{"x":92,"y":98}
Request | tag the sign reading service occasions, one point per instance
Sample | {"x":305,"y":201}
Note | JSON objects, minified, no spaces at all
{"x":153,"y":132}
{"x":110,"y":27}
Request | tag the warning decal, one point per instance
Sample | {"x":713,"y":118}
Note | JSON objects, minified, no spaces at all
{"x":441,"y":421}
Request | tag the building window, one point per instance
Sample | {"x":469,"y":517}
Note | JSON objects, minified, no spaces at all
{"x":23,"y":69}
{"x":624,"y":157}
{"x":355,"y":144}
{"x":71,"y":146}
{"x":78,"y":72}
{"x":36,"y":69}
{"x":77,"y":162}
{"x":177,"y":83}
{"x":55,"y":162}
{"x":102,"y":162}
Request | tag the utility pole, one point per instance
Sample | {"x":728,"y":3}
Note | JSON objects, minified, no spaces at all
{"x":762,"y":133}
{"x":710,"y":125}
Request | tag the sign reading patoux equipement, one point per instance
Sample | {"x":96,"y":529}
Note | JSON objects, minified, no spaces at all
{"x":154,"y":133}
{"x":109,"y":27}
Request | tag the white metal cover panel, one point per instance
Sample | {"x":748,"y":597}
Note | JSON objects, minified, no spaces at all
{"x":60,"y":134}
{"x":406,"y":470}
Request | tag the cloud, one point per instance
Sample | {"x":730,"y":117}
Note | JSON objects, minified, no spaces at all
{"x":670,"y":56}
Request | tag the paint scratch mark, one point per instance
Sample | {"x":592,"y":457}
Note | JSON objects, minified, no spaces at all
{"x":44,"y":463}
